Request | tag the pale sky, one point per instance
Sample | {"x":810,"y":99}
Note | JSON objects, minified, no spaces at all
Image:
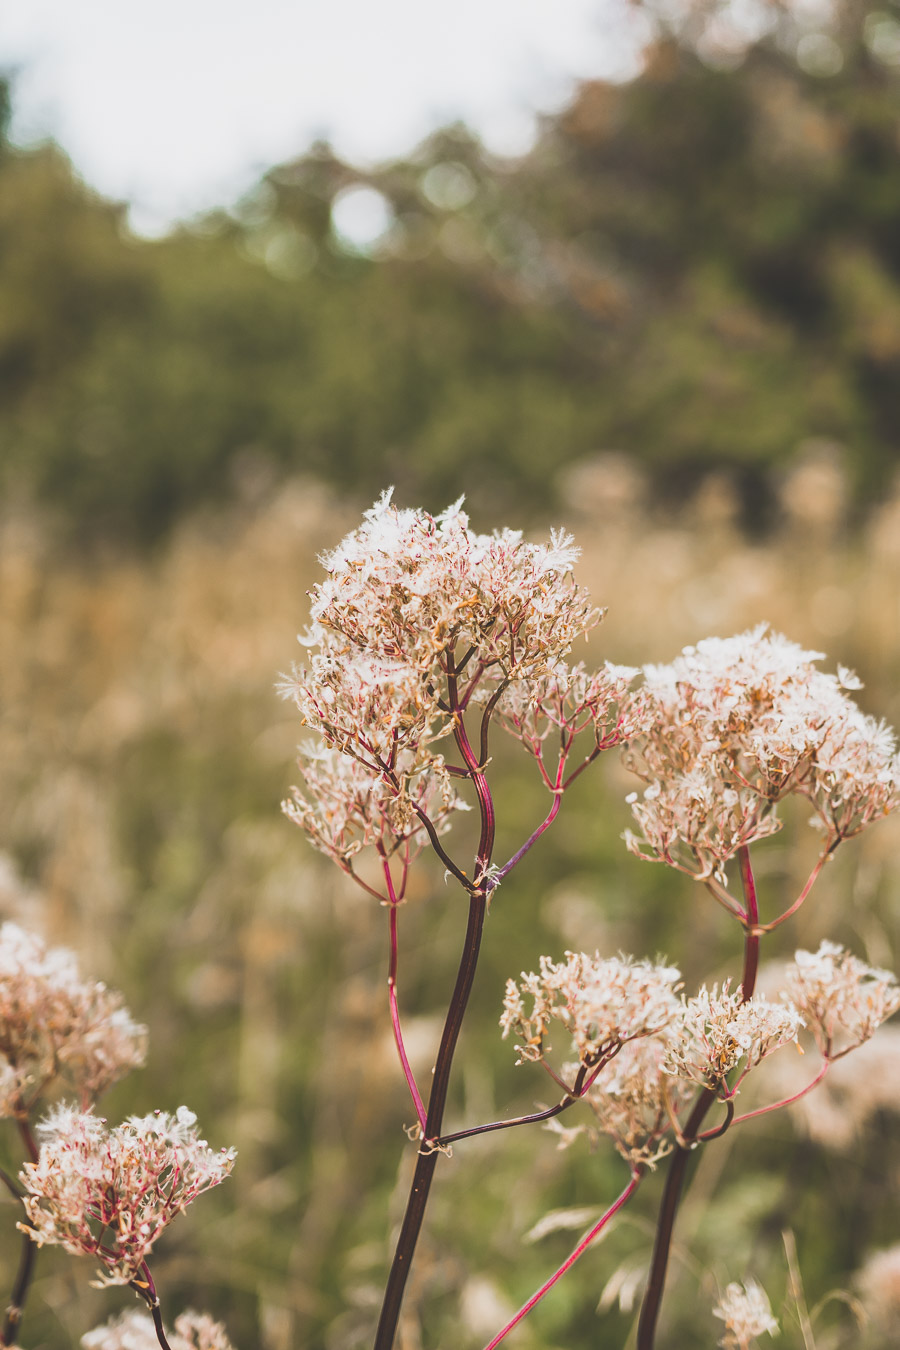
{"x":179,"y":104}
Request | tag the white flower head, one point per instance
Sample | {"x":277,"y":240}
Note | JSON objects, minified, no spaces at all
{"x":747,"y":1313}
{"x":719,"y":1032}
{"x":110,"y":1192}
{"x":634,"y":1100}
{"x":600,"y":1002}
{"x":736,"y":725}
{"x":405,"y":590}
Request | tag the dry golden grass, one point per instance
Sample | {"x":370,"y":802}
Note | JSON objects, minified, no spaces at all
{"x":100,"y":662}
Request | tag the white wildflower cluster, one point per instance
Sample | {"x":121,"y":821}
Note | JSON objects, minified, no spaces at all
{"x":736,"y":724}
{"x":718,"y":1033}
{"x":842,"y":1000}
{"x":747,"y":1313}
{"x":419,"y":618}
{"x":54,"y":1025}
{"x":601,"y":1003}
{"x":136,"y":1331}
{"x":642,"y":1050}
{"x":635,"y":1101}
{"x":109,"y":1192}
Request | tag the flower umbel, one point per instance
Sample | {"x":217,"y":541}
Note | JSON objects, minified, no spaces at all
{"x":737,"y":724}
{"x":53,"y":1024}
{"x":109,"y":1193}
{"x":720,"y":1032}
{"x":601,"y":1002}
{"x":635,"y":1101}
{"x":841,"y":999}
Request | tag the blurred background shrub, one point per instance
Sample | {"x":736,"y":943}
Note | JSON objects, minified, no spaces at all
{"x":699,"y":269}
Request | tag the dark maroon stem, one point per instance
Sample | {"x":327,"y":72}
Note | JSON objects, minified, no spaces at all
{"x":465,"y":976}
{"x":147,"y":1289}
{"x":24,"y":1275}
{"x":678,"y":1165}
{"x":427,"y":1159}
{"x":15,"y":1311}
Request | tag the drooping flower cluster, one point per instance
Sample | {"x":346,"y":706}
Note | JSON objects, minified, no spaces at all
{"x":720,"y":1032}
{"x":343,"y":807}
{"x":419,"y":619}
{"x":842,"y":1000}
{"x":601,"y":1003}
{"x":109,"y":1193}
{"x":747,"y":1313}
{"x":736,"y":724}
{"x":635,"y":1101}
{"x":55,"y":1025}
{"x":136,"y":1331}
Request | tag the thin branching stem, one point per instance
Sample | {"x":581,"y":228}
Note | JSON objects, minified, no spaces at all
{"x":143,"y":1285}
{"x":811,"y":880}
{"x":569,"y":1261}
{"x":677,"y":1172}
{"x":429,"y":1152}
{"x":786,"y":1101}
{"x":392,"y":997}
{"x":16,"y":1308}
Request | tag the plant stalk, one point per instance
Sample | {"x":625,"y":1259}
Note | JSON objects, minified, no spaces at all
{"x":678,"y":1166}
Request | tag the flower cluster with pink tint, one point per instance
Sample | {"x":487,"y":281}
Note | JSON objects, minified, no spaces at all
{"x":136,"y":1331}
{"x":747,"y":1313}
{"x":110,"y":1192}
{"x":418,"y":619}
{"x":842,"y":1000}
{"x":735,"y":725}
{"x":54,"y":1025}
{"x":601,"y":1003}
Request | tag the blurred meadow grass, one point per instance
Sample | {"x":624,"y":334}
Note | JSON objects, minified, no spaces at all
{"x":143,"y":754}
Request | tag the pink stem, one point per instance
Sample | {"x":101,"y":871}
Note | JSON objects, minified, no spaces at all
{"x":775,"y":1106}
{"x":569,"y":1261}
{"x":804,"y":893}
{"x":392,"y":997}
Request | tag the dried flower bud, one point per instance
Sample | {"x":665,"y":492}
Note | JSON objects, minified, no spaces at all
{"x":135,"y":1331}
{"x":54,"y":1024}
{"x":841,"y":999}
{"x":109,"y":1193}
{"x":747,"y":1313}
{"x":601,"y":1003}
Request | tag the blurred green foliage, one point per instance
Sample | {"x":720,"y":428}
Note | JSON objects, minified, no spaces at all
{"x":700,"y":268}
